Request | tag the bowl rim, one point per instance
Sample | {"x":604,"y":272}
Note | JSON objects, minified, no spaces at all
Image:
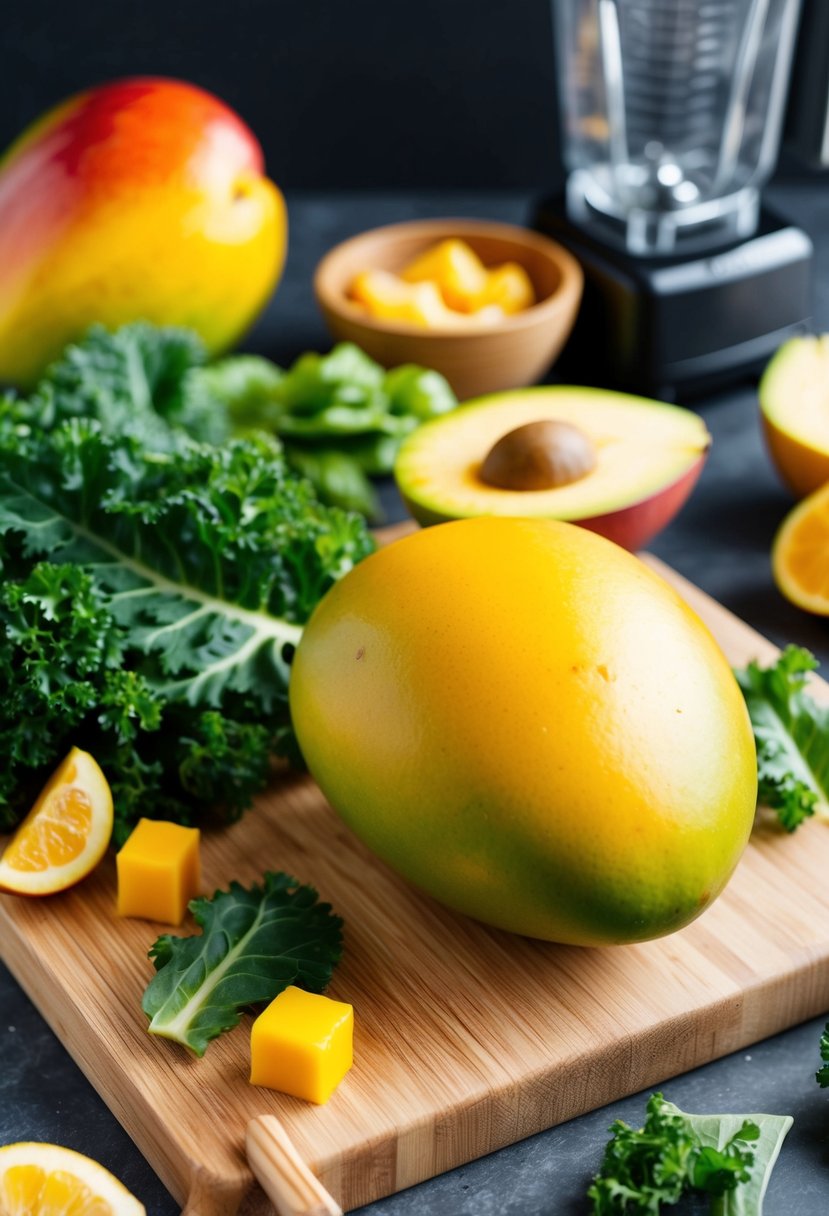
{"x":570,"y":285}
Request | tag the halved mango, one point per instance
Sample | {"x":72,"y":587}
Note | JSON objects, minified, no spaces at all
{"x":794,"y":405}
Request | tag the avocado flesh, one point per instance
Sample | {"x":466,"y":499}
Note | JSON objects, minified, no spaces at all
{"x":642,"y":447}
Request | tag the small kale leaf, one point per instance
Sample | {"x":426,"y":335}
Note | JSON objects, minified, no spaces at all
{"x":255,"y":942}
{"x":822,"y":1074}
{"x":792,"y":735}
{"x":729,"y":1157}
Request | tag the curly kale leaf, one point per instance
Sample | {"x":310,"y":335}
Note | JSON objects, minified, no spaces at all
{"x":792,"y":735}
{"x":132,"y":381}
{"x":822,"y":1074}
{"x":254,"y":943}
{"x":643,"y":1169}
{"x":338,"y":478}
{"x":211,"y":559}
{"x":59,"y":650}
{"x":729,"y":1157}
{"x":160,"y":631}
{"x":64,"y":682}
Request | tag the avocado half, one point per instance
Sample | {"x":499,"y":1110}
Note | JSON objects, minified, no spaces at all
{"x":647,"y":458}
{"x":794,"y":406}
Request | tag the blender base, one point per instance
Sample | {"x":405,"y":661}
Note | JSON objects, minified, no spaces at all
{"x":675,"y":327}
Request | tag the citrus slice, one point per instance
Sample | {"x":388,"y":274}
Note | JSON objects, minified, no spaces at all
{"x":65,"y":834}
{"x":800,"y":553}
{"x":47,"y":1180}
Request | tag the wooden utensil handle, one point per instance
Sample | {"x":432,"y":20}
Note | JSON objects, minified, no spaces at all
{"x":283,"y":1175}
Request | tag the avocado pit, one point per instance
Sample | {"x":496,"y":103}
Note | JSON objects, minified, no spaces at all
{"x":539,"y":455}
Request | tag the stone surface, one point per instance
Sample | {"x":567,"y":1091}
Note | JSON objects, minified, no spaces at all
{"x":720,"y":541}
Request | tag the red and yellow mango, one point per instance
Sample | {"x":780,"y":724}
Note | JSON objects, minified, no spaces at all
{"x":142,"y":199}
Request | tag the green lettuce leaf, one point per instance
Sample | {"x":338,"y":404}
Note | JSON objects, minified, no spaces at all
{"x":239,"y":393}
{"x":254,"y":943}
{"x":792,"y":735}
{"x":717,"y":1162}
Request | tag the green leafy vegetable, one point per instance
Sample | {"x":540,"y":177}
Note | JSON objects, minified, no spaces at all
{"x":340,"y":416}
{"x":346,"y":376}
{"x":150,"y":606}
{"x":337,"y":477}
{"x":729,"y":1157}
{"x":792,"y":736}
{"x":133,"y":381}
{"x":240,"y":391}
{"x":418,"y":392}
{"x":822,"y":1074}
{"x":254,"y":943}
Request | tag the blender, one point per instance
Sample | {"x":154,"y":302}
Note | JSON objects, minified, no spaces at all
{"x":671,"y":112}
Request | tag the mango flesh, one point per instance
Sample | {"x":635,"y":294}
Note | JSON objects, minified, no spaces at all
{"x":389,"y":298}
{"x":139,"y":200}
{"x":456,"y":269}
{"x":531,"y":726}
{"x":794,"y":407}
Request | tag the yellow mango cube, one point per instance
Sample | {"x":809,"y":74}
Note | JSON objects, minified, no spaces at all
{"x":509,"y":286}
{"x":302,"y":1045}
{"x":388,"y":298}
{"x":455,"y":268}
{"x":159,"y":871}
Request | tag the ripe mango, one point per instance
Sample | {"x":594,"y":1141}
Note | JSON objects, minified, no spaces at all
{"x":531,"y":726}
{"x":144,"y":199}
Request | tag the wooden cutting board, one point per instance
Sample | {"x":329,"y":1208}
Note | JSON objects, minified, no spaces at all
{"x":467,"y":1038}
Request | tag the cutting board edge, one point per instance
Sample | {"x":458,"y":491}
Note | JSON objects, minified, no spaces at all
{"x":184,"y":1175}
{"x":767,"y":1007}
{"x":803,"y":994}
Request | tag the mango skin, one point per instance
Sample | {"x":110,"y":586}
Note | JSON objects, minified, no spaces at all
{"x":531,"y":726}
{"x":143,"y":199}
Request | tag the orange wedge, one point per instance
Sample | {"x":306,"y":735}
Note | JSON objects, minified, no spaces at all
{"x":47,"y":1180}
{"x":65,"y":834}
{"x":800,"y":554}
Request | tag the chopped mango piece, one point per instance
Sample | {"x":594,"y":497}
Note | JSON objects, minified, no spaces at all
{"x":445,"y":287}
{"x":390,"y":299}
{"x":159,"y":871}
{"x":457,"y":270}
{"x":509,"y":286}
{"x":302,"y":1044}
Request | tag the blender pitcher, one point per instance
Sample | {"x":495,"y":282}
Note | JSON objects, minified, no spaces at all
{"x":671,"y":116}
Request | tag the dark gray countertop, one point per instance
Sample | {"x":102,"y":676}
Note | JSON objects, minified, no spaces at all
{"x":721,"y":542}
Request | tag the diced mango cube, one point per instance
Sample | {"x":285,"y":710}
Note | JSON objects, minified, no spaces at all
{"x":509,"y":286}
{"x":302,"y":1044}
{"x":390,"y":299}
{"x":159,"y":871}
{"x":456,"y":269}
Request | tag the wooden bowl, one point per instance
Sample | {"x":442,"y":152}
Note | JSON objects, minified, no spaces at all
{"x":506,"y":354}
